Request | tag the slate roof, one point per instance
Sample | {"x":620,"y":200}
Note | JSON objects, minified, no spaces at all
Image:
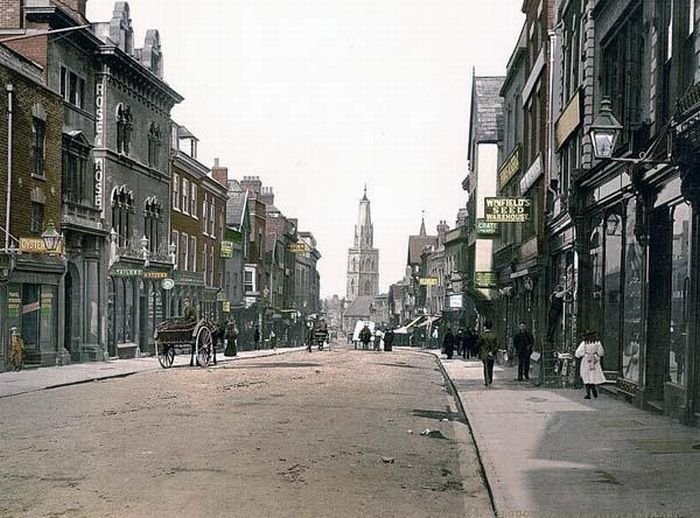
{"x":359,"y":307}
{"x":488,"y":103}
{"x":235,"y":207}
{"x":416,"y":244}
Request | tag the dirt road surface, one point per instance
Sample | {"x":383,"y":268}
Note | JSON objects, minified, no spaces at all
{"x":323,"y":434}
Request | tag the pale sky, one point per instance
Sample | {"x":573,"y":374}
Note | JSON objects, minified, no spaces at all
{"x":319,"y":97}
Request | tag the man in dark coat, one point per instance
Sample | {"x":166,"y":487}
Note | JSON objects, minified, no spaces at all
{"x":523,"y":342}
{"x":365,"y":336}
{"x":231,"y":335}
{"x":256,"y":337}
{"x":469,"y":344}
{"x":448,"y":343}
{"x":488,"y":347}
{"x":388,"y":339}
{"x":459,"y":341}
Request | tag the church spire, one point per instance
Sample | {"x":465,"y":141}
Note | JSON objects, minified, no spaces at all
{"x":363,"y":229}
{"x":422,"y":224}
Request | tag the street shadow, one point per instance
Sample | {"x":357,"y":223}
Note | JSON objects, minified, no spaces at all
{"x":275,"y":365}
{"x":439,"y":415}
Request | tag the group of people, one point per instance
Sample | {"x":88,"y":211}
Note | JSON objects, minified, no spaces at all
{"x":366,"y":336}
{"x":486,"y":345}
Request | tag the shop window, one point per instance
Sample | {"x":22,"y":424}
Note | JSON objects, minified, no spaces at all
{"x":613,"y":231}
{"x":632,"y":321}
{"x":680,"y":288}
{"x":124,"y":310}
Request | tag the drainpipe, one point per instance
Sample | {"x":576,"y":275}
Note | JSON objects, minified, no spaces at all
{"x":9,"y":88}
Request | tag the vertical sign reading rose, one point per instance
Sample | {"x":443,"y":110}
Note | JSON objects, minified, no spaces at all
{"x":99,"y":143}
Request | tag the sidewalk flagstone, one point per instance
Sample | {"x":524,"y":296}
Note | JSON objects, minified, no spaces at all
{"x":549,"y":452}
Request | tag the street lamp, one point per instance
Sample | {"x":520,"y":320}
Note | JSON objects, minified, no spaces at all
{"x":604,"y":133}
{"x":51,"y":238}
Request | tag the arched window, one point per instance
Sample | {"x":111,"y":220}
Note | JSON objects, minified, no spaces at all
{"x":125,"y":124}
{"x":368,"y":288}
{"x":154,"y":143}
{"x":152,"y":221}
{"x":122,"y":208}
{"x":352,"y":287}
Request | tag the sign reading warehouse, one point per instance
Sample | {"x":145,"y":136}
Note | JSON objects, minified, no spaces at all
{"x":507,"y":210}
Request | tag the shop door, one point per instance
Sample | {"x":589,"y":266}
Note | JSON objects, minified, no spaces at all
{"x":659,"y":310}
{"x":111,"y":320}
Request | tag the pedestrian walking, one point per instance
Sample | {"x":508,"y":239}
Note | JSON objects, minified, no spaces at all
{"x":388,"y":339}
{"x":590,"y":350}
{"x":230,"y":337}
{"x":469,"y":348}
{"x":459,"y":341}
{"x":365,"y":336}
{"x":523,"y":343}
{"x":488,"y":347}
{"x":448,"y":343}
{"x":256,"y":337}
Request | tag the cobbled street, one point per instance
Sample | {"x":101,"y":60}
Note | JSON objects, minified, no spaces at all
{"x":332,"y":433}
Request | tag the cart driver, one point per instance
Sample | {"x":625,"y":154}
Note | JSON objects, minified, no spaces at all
{"x":190,"y":311}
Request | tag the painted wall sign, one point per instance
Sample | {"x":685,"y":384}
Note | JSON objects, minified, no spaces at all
{"x":126,"y":272}
{"x":531,"y":175}
{"x":487,"y":228}
{"x":510,"y":168}
{"x":568,"y":120}
{"x":507,"y":210}
{"x":298,"y":248}
{"x":35,"y":245}
{"x":155,"y":275}
{"x":485,"y":279}
{"x":226,"y":250}
{"x":427,"y":281}
{"x":100,"y":114}
{"x":455,"y":301}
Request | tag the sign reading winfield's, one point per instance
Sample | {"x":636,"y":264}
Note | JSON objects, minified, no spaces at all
{"x":507,"y":210}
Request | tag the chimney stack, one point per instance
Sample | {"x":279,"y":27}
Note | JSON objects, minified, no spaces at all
{"x":442,"y":230}
{"x":220,"y":174}
{"x":267,"y":196}
{"x":251,"y":184}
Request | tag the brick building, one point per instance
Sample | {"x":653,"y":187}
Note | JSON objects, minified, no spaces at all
{"x":131,"y":150}
{"x":31,"y":280}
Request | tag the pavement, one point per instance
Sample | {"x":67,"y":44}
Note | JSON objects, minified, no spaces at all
{"x":545,"y":452}
{"x":550,"y":453}
{"x":31,"y":380}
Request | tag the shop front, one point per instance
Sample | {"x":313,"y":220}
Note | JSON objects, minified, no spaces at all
{"x":32,"y":304}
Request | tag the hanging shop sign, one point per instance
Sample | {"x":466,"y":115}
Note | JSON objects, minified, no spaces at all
{"x":167,"y":284}
{"x":531,"y":175}
{"x":35,"y":245}
{"x":509,"y":168}
{"x":485,"y":279}
{"x":298,"y":248}
{"x":507,"y":210}
{"x":126,"y":272}
{"x":568,"y":120}
{"x":155,"y":275}
{"x":427,"y":281}
{"x":226,"y":250}
{"x":226,"y":307}
{"x":487,"y":228}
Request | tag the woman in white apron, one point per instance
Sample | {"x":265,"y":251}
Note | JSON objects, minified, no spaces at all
{"x":591,"y":352}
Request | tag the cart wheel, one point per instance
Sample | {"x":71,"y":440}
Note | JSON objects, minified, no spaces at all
{"x":203,"y":344}
{"x":166,"y":355}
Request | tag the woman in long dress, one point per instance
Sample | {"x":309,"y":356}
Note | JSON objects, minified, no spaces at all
{"x":591,"y":351}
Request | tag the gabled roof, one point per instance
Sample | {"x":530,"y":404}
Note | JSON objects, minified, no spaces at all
{"x":416,"y":244}
{"x":488,"y":103}
{"x":359,"y":307}
{"x":236,"y":207}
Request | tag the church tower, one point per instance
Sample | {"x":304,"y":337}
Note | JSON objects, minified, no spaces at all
{"x":363,"y":258}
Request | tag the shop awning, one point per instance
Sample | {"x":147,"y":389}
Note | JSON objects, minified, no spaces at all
{"x":430,"y":321}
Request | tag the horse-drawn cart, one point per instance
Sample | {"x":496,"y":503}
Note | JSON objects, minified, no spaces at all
{"x":181,"y":333}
